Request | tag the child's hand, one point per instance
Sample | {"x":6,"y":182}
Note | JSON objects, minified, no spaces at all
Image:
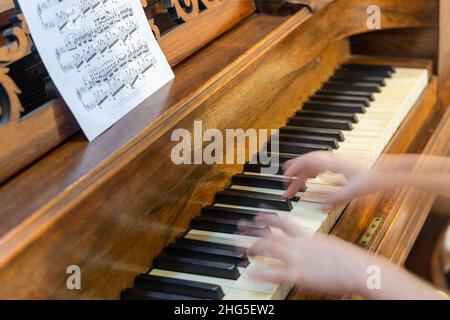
{"x":384,"y":176}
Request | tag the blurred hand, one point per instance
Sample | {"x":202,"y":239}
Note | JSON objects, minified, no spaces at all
{"x":316,"y":262}
{"x":328,"y":265}
{"x":384,"y":176}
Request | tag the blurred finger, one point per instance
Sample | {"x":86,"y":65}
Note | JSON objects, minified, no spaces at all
{"x":272,"y":247}
{"x":294,"y":187}
{"x":287,"y":181}
{"x":257,"y":248}
{"x":287,"y":164}
{"x":273,"y":276}
{"x":347,"y":193}
{"x":284,"y":224}
{"x":295,"y":167}
{"x":253,"y":229}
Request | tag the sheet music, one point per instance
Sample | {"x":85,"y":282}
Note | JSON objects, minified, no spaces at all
{"x":101,"y":55}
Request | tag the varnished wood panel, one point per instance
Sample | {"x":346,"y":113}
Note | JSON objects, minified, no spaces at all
{"x":444,"y":51}
{"x":424,"y":42}
{"x":412,"y":43}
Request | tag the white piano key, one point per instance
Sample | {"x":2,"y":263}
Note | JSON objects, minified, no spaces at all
{"x":235,"y":294}
{"x":222,"y":238}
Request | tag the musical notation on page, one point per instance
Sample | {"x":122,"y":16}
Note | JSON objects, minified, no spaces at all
{"x":101,"y":55}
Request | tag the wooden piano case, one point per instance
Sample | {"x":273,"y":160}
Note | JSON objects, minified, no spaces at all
{"x":112,"y":205}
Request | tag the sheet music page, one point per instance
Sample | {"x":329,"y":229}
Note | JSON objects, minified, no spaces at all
{"x":101,"y":55}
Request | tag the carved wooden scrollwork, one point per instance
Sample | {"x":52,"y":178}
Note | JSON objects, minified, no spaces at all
{"x":153,"y":26}
{"x":179,"y":11}
{"x":18,"y":46}
{"x":184,"y":10}
{"x":10,"y":105}
{"x":155,"y":29}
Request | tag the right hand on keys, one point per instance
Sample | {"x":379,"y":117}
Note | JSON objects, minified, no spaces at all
{"x":389,"y":173}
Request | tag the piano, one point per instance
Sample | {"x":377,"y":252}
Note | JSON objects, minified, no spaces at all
{"x":139,"y":226}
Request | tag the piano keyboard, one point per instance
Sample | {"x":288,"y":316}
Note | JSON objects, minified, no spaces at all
{"x":354,"y":114}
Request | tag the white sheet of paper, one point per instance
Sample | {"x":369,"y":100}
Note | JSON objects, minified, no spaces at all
{"x":101,"y":55}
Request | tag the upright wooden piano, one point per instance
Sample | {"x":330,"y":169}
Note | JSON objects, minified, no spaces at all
{"x":114,"y":207}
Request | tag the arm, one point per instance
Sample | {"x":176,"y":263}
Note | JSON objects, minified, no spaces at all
{"x":397,"y":283}
{"x":391,"y":172}
{"x":329,"y":265}
{"x":438,"y":183}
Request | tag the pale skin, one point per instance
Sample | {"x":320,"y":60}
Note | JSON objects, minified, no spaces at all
{"x":329,"y":265}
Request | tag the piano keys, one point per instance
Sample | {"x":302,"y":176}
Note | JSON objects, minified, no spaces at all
{"x":371,"y":124}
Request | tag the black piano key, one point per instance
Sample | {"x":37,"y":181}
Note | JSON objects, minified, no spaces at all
{"x":139,"y":294}
{"x":276,"y":158}
{"x":196,"y":266}
{"x":358,"y":83}
{"x":231,"y":213}
{"x":215,"y":224}
{"x":351,"y":87}
{"x":320,"y":123}
{"x":253,"y":199}
{"x":319,"y":132}
{"x":363,"y":74}
{"x":221,"y":225}
{"x":213,"y":245}
{"x":338,"y":98}
{"x":277,"y":161}
{"x":297,"y":148}
{"x":348,"y":78}
{"x":328,"y":141}
{"x":352,"y":117}
{"x":368,"y":67}
{"x":335,"y":107}
{"x":277,"y":183}
{"x":280,"y":158}
{"x":370,"y":85}
{"x":179,"y":286}
{"x":192,"y":251}
{"x":333,"y":92}
{"x":259,"y":168}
